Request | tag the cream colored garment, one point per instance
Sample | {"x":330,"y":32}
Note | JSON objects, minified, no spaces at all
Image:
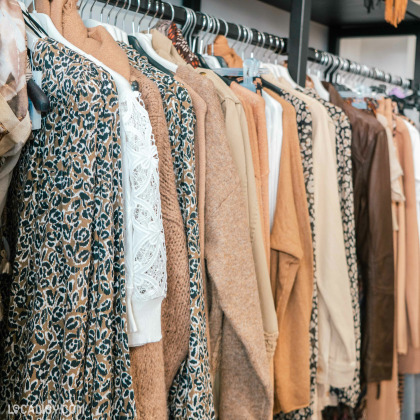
{"x":337,"y":349}
{"x":398,"y":221}
{"x":164,"y":47}
{"x":237,"y":134}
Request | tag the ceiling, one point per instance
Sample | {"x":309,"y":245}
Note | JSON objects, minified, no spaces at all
{"x":343,"y":12}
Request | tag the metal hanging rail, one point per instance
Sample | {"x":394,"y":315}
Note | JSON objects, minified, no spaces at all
{"x":180,"y":15}
{"x":276,"y":44}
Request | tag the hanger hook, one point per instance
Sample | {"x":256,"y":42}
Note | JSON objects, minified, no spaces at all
{"x":226,"y":27}
{"x":119,"y":11}
{"x":187,"y":21}
{"x":157,"y":2}
{"x":90,"y":11}
{"x":239,"y":34}
{"x":192,"y":28}
{"x":256,"y":43}
{"x":103,"y":8}
{"x":149,"y":5}
{"x":134,"y":16}
{"x":267,"y":51}
{"x":112,"y":8}
{"x":172,"y":12}
{"x":163,"y":4}
{"x":126,"y":12}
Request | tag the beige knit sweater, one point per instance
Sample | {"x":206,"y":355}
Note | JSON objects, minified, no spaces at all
{"x":236,"y":329}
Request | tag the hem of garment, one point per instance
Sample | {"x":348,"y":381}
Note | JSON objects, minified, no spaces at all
{"x":294,"y":408}
{"x":341,"y":375}
{"x":144,"y":320}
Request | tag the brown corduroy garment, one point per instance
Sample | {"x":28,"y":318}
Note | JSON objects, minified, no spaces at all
{"x":254,"y":106}
{"x":241,"y":361}
{"x":221,"y":48}
{"x":154,"y":365}
{"x":291,"y":272}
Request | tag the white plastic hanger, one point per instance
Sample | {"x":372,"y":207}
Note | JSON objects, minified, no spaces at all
{"x":145,"y":41}
{"x":283,"y":71}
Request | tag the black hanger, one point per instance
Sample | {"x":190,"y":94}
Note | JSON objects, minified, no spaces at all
{"x":33,"y":24}
{"x":272,"y":87}
{"x":134,"y":42}
{"x":36,"y":95}
{"x":222,"y":62}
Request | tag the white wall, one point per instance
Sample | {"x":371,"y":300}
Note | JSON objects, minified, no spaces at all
{"x":393,"y":54}
{"x":252,"y":13}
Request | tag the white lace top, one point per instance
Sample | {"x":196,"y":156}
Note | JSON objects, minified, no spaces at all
{"x":145,"y":251}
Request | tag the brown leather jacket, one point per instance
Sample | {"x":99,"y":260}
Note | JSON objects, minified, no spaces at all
{"x":375,"y":254}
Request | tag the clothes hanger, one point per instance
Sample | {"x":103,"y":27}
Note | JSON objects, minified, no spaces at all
{"x":92,"y":23}
{"x":220,"y":59}
{"x":142,"y":43}
{"x":211,"y":60}
{"x":34,"y":32}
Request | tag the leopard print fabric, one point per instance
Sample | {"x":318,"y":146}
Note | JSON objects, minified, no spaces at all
{"x":66,"y":348}
{"x":304,"y":125}
{"x":190,"y":396}
{"x":343,"y":135}
{"x":172,"y":31}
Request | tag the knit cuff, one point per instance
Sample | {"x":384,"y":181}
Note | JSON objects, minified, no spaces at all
{"x":144,"y":320}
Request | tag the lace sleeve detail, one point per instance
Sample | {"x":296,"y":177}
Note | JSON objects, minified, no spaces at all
{"x":145,"y":252}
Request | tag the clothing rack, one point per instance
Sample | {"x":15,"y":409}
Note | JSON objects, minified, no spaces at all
{"x":279,"y":45}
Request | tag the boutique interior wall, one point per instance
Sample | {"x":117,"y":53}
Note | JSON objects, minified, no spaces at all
{"x":394,"y":54}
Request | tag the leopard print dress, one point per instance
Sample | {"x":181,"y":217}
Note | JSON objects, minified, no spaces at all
{"x":191,"y":395}
{"x":66,"y":346}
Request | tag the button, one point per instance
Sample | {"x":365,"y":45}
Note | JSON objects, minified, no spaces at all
{"x":135,"y":85}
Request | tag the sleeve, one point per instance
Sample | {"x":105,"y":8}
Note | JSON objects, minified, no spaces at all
{"x":378,"y":264}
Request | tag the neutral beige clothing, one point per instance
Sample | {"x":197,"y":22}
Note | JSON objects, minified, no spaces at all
{"x":237,"y":135}
{"x":200,"y":110}
{"x":399,"y":227}
{"x":291,"y":270}
{"x":410,"y":363}
{"x":254,"y":106}
{"x":233,"y":294}
{"x":164,"y":47}
{"x":337,"y":349}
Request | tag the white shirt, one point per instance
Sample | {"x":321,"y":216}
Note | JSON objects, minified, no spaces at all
{"x":415,"y":144}
{"x":274,"y":116}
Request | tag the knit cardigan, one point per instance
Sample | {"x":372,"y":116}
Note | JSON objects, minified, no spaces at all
{"x":236,"y":329}
{"x":154,"y":365}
